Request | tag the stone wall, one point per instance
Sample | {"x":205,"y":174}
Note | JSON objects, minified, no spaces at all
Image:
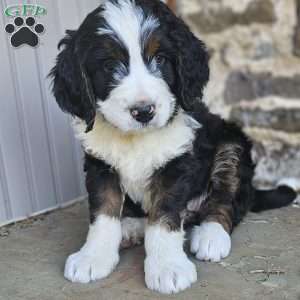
{"x":255,"y":74}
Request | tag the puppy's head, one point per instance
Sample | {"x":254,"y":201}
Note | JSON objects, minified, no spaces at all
{"x":133,"y":62}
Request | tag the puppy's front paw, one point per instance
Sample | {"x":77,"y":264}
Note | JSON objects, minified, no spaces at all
{"x":84,"y":267}
{"x":210,"y":242}
{"x":169,"y":276}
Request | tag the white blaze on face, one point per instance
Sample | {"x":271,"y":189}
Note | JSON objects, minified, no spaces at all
{"x":128,"y":24}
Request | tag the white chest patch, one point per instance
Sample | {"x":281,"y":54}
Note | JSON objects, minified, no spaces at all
{"x":137,"y":155}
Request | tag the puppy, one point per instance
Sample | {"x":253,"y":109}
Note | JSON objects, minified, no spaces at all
{"x":132,"y":76}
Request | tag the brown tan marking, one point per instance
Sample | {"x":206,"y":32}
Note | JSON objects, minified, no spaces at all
{"x":223,"y":215}
{"x":225,"y":168}
{"x":105,"y":195}
{"x":172,"y":4}
{"x":113,"y":52}
{"x":160,"y":194}
{"x":224,"y":180}
{"x":112,"y":205}
{"x":152,"y":46}
{"x":157,"y":215}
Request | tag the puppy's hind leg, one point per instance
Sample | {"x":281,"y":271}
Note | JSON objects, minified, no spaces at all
{"x":228,"y":200}
{"x":133,"y":231}
{"x":133,"y":224}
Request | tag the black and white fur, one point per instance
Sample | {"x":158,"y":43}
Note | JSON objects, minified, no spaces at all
{"x":175,"y":166}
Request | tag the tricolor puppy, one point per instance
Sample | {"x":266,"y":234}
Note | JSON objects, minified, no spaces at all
{"x":157,"y":161}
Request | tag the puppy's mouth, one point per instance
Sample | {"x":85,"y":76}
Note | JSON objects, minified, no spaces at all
{"x":145,"y":126}
{"x":132,"y":126}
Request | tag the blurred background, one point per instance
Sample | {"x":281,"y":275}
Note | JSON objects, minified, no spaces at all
{"x":255,"y":74}
{"x":255,"y":80}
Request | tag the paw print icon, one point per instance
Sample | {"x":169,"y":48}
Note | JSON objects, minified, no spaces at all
{"x":24,"y":31}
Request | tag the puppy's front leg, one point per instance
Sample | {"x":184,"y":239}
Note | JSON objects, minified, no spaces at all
{"x":167,"y":267}
{"x":100,"y":253}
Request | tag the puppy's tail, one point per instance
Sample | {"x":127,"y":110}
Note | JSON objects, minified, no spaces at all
{"x":283,"y":195}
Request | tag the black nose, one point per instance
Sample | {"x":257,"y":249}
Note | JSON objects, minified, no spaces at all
{"x":143,"y":113}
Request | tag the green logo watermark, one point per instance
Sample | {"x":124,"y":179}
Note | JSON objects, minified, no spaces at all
{"x":25,"y":10}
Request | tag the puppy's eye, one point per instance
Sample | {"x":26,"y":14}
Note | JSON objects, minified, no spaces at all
{"x":109,"y":66}
{"x":160,"y":59}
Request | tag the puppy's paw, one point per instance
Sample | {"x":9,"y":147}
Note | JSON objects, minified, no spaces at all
{"x":168,"y":276}
{"x":210,"y":242}
{"x":84,"y":267}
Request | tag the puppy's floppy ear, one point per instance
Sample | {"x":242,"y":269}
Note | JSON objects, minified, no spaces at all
{"x":71,"y":85}
{"x":191,"y":66}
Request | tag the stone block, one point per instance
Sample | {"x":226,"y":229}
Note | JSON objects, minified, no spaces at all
{"x":250,"y":86}
{"x":216,"y":18}
{"x":272,"y":113}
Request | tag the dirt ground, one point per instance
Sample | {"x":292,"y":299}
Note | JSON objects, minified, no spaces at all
{"x":264,"y":263}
